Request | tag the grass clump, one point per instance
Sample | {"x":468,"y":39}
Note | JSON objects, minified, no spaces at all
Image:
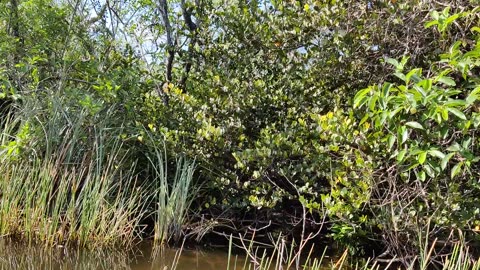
{"x":283,"y":256}
{"x":73,"y":184}
{"x":172,"y":200}
{"x":68,"y":177}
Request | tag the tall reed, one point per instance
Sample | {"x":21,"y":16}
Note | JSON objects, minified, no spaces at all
{"x":173,"y":200}
{"x":173,"y":195}
{"x":73,"y":183}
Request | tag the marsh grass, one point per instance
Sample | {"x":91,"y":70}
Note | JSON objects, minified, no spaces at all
{"x":65,"y":179}
{"x":278,"y":259}
{"x":173,"y":196}
{"x":459,"y":257}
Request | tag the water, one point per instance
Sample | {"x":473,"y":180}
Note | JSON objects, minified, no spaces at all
{"x":14,"y":255}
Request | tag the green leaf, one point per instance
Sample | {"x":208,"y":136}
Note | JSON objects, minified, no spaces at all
{"x":436,"y":153}
{"x":455,"y":103}
{"x":386,"y":89}
{"x":259,"y":83}
{"x":420,"y":90}
{"x":422,"y":157}
{"x":306,"y":7}
{"x":446,"y":80}
{"x":455,"y":147}
{"x":391,"y":141}
{"x":473,"y":96}
{"x":372,"y":103}
{"x":426,"y":84}
{"x":428,"y":169}
{"x":467,"y":143}
{"x":471,"y":99}
{"x":476,"y":121}
{"x":358,"y":100}
{"x":437,"y":118}
{"x":392,"y":62}
{"x":414,"y":72}
{"x":445,"y":160}
{"x":413,"y":166}
{"x":404,"y":61}
{"x":404,"y":134}
{"x":452,"y":18}
{"x":456,"y":169}
{"x":364,"y":119}
{"x":422,"y":176}
{"x":434,"y":14}
{"x":457,"y":113}
{"x":401,"y":76}
{"x":444,"y":114}
{"x":414,"y":124}
{"x":431,"y":23}
{"x":446,"y":11}
{"x":401,"y":155}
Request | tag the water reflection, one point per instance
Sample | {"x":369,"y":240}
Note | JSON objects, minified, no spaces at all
{"x":15,"y":255}
{"x":194,"y":260}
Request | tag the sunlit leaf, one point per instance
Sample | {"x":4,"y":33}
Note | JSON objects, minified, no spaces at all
{"x":446,"y":80}
{"x":422,"y":157}
{"x":445,"y":160}
{"x":457,"y":113}
{"x":436,"y":153}
{"x":401,"y":155}
{"x":456,"y":169}
{"x":414,"y":124}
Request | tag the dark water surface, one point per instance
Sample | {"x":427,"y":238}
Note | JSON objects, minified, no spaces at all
{"x":15,"y":255}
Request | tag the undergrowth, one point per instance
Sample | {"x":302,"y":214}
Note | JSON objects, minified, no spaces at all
{"x":68,"y":178}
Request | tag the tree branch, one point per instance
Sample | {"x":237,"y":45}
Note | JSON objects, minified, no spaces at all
{"x":163,"y":9}
{"x":99,"y":16}
{"x":192,"y":27}
{"x":187,"y":16}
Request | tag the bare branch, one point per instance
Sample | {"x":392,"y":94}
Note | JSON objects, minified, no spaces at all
{"x":163,"y":9}
{"x":192,"y":27}
{"x":99,"y":16}
{"x":187,"y":16}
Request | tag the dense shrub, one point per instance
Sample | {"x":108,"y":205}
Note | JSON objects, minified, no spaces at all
{"x":424,"y":139}
{"x":266,"y":96}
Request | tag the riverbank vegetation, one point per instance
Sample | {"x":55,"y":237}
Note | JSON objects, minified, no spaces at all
{"x":344,"y":122}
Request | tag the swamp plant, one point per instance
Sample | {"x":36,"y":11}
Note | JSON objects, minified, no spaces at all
{"x":78,"y":189}
{"x":68,"y":177}
{"x":173,"y":199}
